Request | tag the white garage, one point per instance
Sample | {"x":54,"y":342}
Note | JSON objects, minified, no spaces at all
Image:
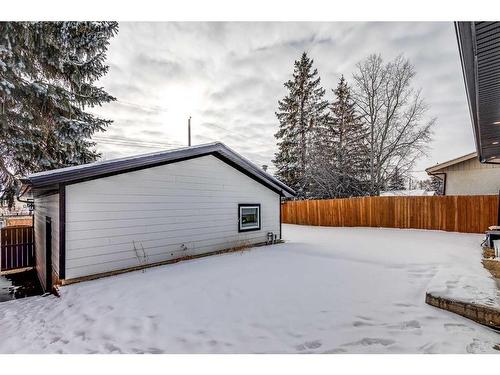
{"x":118,"y":215}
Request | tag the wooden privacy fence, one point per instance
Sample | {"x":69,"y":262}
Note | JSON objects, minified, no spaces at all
{"x":469,"y":214}
{"x":16,"y":248}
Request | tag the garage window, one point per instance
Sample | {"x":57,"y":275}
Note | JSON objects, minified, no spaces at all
{"x":249,"y":217}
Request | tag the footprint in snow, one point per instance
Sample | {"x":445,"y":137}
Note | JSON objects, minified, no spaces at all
{"x":457,"y":327}
{"x":88,"y":319}
{"x":359,"y":323}
{"x":409,"y":324}
{"x":402,"y":304}
{"x":81,"y":334}
{"x":155,"y":351}
{"x":104,"y":309}
{"x":431,"y":317}
{"x":309,"y":345}
{"x":451,"y":284}
{"x":112,"y":348}
{"x":371,"y":341}
{"x":363,"y":317}
{"x":54,"y":340}
{"x":335,"y":351}
{"x":477,"y":346}
{"x":428,"y":348}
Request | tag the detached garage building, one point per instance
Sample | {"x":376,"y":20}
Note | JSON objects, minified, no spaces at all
{"x":109,"y":216}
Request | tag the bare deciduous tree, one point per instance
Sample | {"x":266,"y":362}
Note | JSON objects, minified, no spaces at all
{"x":395,"y":114}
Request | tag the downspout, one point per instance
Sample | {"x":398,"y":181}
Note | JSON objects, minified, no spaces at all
{"x":280,"y":207}
{"x":29,"y":202}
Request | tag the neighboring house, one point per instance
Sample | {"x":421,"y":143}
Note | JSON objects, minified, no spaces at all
{"x":407,"y":193}
{"x":467,"y":176}
{"x":115,"y":215}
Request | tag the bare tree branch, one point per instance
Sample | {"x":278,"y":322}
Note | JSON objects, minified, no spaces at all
{"x":395,"y":114}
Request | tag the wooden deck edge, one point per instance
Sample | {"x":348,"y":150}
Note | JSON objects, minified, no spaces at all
{"x":162,"y":263}
{"x":486,"y":315}
{"x":493,"y":266}
{"x":16,"y":270}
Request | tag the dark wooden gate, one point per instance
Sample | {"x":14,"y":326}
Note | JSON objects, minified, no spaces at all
{"x":17,"y":248}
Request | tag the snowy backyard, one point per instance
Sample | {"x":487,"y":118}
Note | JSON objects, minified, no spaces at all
{"x":327,"y":290}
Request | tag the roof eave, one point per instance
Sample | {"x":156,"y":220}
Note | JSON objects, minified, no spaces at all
{"x":449,"y":163}
{"x":70,"y":176}
{"x":466,"y":49}
{"x":480,"y":57}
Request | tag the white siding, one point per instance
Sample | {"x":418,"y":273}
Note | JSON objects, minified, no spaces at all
{"x":190,"y":205}
{"x":472,"y":178}
{"x":46,"y":206}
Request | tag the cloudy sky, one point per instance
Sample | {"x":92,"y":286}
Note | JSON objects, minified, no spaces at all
{"x":229,"y":77}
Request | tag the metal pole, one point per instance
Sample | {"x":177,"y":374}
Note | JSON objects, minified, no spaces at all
{"x":189,"y":131}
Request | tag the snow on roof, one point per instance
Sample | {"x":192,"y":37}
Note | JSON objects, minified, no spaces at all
{"x":108,"y":167}
{"x":403,"y":193}
{"x":114,"y":161}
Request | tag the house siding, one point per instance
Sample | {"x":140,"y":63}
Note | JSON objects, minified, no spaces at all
{"x":472,"y":178}
{"x":161,"y":213}
{"x":46,"y":206}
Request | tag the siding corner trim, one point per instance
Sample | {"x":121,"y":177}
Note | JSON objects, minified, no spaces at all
{"x":62,"y":232}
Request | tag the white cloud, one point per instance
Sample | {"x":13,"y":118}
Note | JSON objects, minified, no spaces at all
{"x":229,"y":77}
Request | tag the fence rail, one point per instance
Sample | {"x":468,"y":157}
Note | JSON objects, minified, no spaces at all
{"x":468,"y":214}
{"x":16,"y":248}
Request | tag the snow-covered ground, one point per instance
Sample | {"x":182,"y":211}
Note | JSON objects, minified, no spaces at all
{"x":327,"y":290}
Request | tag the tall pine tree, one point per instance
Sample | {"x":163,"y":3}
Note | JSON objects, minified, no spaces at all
{"x":396,"y":181}
{"x":437,"y":185}
{"x":300,"y":113}
{"x":48,"y":72}
{"x":342,"y":159}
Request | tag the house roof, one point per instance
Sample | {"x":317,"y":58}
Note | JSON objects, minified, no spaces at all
{"x":407,"y":193}
{"x":51,"y":179}
{"x":479,"y":48}
{"x":446,"y":164}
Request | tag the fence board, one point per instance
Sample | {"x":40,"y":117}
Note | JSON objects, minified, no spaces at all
{"x":468,"y":214}
{"x":16,"y":248}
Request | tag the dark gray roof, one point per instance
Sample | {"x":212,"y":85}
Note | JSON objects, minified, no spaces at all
{"x":51,"y":179}
{"x":479,"y":47}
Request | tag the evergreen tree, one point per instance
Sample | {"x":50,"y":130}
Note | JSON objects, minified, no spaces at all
{"x":396,"y":182}
{"x":300,"y":113}
{"x":342,"y":164}
{"x":48,"y":72}
{"x":434,"y":183}
{"x":437,"y":185}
